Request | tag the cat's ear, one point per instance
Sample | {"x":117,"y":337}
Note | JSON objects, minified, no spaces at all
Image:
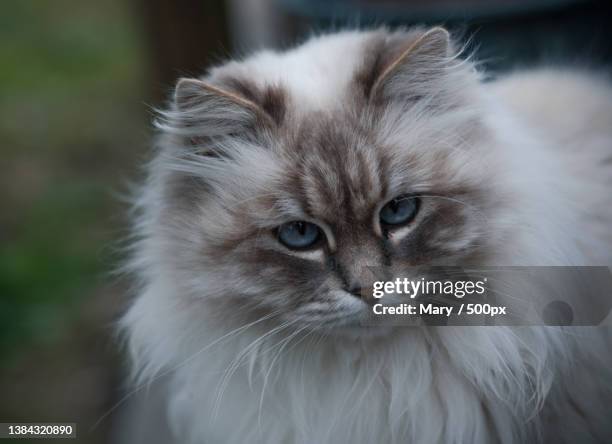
{"x":202,"y":109}
{"x":413,"y":65}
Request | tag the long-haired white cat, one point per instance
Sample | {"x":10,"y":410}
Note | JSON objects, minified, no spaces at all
{"x":278,"y":177}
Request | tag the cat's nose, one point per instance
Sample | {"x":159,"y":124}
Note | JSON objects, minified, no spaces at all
{"x":363,"y":293}
{"x":355,"y":290}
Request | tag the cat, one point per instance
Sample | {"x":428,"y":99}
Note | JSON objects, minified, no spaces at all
{"x":277,"y":178}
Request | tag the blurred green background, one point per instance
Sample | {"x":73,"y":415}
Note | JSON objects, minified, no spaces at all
{"x":72,"y":124}
{"x":71,"y":118}
{"x":77,"y":82}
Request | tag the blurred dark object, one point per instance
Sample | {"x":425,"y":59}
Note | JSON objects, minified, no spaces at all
{"x":504,"y":33}
{"x":183,"y":37}
{"x":186,"y":36}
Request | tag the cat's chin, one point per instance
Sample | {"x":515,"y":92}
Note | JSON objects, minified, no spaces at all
{"x":358,"y":331}
{"x":357,"y":323}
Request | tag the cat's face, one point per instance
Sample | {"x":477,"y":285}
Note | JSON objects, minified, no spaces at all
{"x":281,"y":212}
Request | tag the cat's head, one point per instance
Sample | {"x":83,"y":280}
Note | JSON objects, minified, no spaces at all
{"x":282,"y":177}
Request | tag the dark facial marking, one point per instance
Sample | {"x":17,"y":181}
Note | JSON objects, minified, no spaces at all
{"x":372,"y":66}
{"x":272,"y":99}
{"x":274,"y":102}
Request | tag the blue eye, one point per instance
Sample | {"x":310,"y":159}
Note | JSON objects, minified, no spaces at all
{"x":400,"y":210}
{"x":298,"y":235}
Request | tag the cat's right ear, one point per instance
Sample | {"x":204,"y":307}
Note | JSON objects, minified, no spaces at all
{"x":204,"y":110}
{"x":413,"y":66}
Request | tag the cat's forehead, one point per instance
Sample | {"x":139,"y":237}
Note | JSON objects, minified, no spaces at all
{"x":335,"y":166}
{"x":313,"y":75}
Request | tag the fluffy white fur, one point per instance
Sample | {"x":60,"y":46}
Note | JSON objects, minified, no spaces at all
{"x":231,"y":383}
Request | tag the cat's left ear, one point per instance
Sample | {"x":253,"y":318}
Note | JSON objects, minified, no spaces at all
{"x":413,"y":66}
{"x":204,"y":108}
